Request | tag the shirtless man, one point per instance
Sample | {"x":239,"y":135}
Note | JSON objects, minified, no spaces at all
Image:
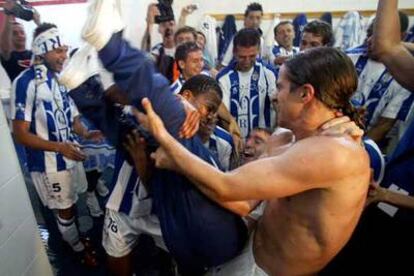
{"x":314,"y":195}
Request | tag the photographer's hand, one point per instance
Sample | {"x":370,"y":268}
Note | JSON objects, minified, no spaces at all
{"x":8,"y":5}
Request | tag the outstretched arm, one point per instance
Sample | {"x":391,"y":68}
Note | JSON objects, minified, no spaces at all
{"x":387,"y":44}
{"x":266,"y":178}
{"x":379,"y":194}
{"x":146,"y":39}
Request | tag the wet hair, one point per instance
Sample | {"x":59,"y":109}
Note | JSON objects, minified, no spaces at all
{"x":186,"y":29}
{"x":253,"y":7}
{"x":246,"y":37}
{"x":43,"y":27}
{"x":182,"y":51}
{"x":322,"y":29}
{"x":201,"y":84}
{"x":332,"y":74}
{"x":281,"y":23}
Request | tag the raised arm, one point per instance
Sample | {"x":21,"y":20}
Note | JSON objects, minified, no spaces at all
{"x":387,"y":44}
{"x":146,"y":39}
{"x":6,"y":37}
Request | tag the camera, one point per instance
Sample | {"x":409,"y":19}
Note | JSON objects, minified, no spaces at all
{"x":166,"y":11}
{"x":21,"y":9}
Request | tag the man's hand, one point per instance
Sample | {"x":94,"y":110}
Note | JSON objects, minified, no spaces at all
{"x":8,"y":5}
{"x":192,"y":120}
{"x":71,"y":151}
{"x":280,"y":60}
{"x":375,"y":193}
{"x":152,"y":12}
{"x":342,"y":125}
{"x":163,"y":160}
{"x":189,"y":9}
{"x":136,"y":146}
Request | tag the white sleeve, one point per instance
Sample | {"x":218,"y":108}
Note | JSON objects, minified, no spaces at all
{"x":22,"y":100}
{"x":224,"y":82}
{"x":225,"y":157}
{"x":397,"y":96}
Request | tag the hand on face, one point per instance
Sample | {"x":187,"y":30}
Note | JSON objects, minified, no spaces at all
{"x":192,"y":120}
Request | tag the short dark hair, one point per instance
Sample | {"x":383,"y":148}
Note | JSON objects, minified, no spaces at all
{"x":281,"y":23}
{"x":185,"y":29}
{"x":246,"y":37}
{"x":331,"y":73}
{"x":43,"y":27}
{"x":322,"y":29}
{"x":253,"y":7}
{"x":263,"y":129}
{"x":182,"y":51}
{"x":201,"y":84}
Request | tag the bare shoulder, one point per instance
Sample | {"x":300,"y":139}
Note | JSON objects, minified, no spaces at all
{"x":341,"y":155}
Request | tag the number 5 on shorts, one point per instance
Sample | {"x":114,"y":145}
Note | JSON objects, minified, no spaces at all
{"x":56,"y":187}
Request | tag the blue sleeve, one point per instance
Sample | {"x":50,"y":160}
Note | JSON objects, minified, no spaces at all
{"x":134,"y":73}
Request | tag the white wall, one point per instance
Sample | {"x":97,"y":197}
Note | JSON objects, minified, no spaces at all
{"x":71,"y":17}
{"x":21,"y":251}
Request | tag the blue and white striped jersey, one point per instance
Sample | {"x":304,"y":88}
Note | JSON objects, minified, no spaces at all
{"x":38,"y":98}
{"x":123,"y":186}
{"x":175,"y":88}
{"x":376,"y":158}
{"x":247,"y":95}
{"x":221,"y":146}
{"x":158,"y":48}
{"x":378,"y":91}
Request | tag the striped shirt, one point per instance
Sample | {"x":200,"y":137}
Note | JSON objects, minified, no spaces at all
{"x":176,"y":86}
{"x":247,"y":95}
{"x":378,"y":91}
{"x":38,"y":98}
{"x":221,"y":146}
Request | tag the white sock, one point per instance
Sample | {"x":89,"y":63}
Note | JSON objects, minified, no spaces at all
{"x":70,"y":233}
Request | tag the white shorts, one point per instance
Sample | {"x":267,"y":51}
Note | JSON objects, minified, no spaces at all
{"x":242,"y":265}
{"x":56,"y":190}
{"x":121,"y":232}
